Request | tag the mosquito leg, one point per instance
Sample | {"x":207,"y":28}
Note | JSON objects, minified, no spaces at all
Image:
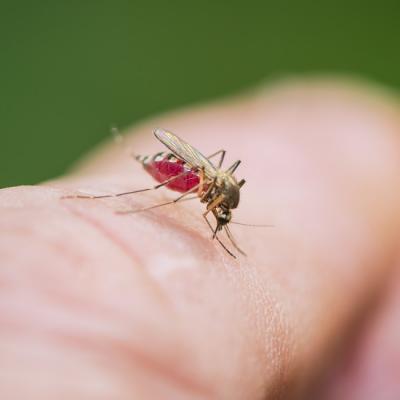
{"x":233,"y":241}
{"x":216,"y":153}
{"x":204,"y":197}
{"x":233,"y":167}
{"x":216,"y":237}
{"x":221,"y":160}
{"x":218,"y":227}
{"x":189,"y":198}
{"x":161,"y":204}
{"x":215,"y":203}
{"x":166,"y":182}
{"x":211,"y":207}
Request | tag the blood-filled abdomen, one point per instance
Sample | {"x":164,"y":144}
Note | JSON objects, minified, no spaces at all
{"x":166,"y":168}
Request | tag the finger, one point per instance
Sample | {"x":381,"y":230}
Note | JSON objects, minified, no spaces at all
{"x":321,"y":165}
{"x":367,"y":366}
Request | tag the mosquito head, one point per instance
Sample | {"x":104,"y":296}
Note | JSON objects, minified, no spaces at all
{"x":224,"y":216}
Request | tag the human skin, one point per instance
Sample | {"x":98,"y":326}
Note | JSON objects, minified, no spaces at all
{"x":95,"y":305}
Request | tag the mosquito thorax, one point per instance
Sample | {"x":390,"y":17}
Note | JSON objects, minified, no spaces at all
{"x":228,"y":186}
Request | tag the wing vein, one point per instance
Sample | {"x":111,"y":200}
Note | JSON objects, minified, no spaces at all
{"x":185,"y":151}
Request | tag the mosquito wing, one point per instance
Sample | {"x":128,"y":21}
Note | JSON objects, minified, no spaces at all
{"x":185,"y":151}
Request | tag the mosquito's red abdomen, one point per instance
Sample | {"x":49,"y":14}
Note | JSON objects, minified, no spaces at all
{"x":163,"y":169}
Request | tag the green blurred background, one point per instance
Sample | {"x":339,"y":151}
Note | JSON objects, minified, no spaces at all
{"x":70,"y":69}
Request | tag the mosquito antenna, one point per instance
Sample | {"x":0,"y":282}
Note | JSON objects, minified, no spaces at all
{"x":253,"y":225}
{"x":231,"y":238}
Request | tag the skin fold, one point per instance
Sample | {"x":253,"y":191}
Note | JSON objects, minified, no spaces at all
{"x":95,"y":305}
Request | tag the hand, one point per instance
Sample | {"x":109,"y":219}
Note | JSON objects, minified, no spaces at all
{"x":147,"y":306}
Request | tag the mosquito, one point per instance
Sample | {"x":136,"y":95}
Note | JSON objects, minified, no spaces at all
{"x":186,"y":170}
